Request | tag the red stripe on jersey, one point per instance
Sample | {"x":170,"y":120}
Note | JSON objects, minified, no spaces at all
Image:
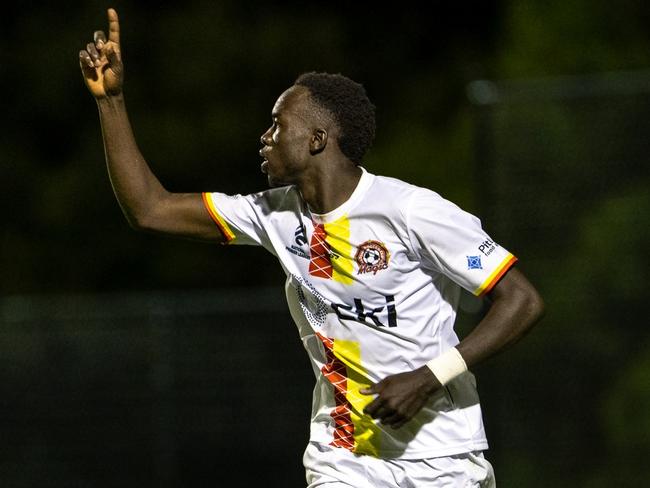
{"x":319,"y":252}
{"x":335,"y":372}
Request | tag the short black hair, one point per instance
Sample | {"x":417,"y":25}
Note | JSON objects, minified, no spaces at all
{"x":351,"y":108}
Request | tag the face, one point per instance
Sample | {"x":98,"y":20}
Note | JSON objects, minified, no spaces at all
{"x":285,"y":145}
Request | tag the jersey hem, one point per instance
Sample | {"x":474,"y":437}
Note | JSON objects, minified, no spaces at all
{"x":496,"y":275}
{"x":421,"y":454}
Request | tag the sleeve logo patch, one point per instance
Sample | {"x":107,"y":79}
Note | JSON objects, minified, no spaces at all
{"x":487,"y":247}
{"x":474,"y":262}
{"x":372,"y":256}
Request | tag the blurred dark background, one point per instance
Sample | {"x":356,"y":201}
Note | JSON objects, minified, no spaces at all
{"x":136,"y":360}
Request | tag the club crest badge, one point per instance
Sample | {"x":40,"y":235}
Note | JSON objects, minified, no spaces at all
{"x":372,"y":256}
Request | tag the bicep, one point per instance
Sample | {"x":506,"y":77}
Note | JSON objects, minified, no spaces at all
{"x":183,"y":215}
{"x":511,"y":283}
{"x":515,"y":290}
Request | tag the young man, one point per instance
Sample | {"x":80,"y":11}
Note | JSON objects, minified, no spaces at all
{"x":374,"y":268}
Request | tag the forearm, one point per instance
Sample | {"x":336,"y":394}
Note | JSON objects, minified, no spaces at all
{"x":136,"y":187}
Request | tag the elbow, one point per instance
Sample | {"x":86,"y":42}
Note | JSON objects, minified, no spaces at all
{"x":136,"y":224}
{"x":144,"y":213}
{"x":139,"y":221}
{"x":521,"y":298}
{"x":534,"y":306}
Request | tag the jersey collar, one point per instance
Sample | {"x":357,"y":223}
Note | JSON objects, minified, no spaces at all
{"x":362,"y":187}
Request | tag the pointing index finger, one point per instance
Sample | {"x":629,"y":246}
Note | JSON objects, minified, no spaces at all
{"x":113,"y":26}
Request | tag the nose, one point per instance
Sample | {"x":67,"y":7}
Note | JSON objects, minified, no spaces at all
{"x":266,"y":138}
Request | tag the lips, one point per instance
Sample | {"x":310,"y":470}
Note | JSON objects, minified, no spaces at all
{"x":264,"y":167}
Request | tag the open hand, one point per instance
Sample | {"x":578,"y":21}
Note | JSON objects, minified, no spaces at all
{"x":101,"y":61}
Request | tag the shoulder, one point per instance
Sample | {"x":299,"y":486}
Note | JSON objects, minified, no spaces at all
{"x":392,"y":192}
{"x":420,"y":207}
{"x":432,"y":206}
{"x":410,"y":198}
{"x":393,"y":185}
{"x":276,"y":199}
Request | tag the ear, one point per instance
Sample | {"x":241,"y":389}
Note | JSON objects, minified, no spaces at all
{"x":318,"y":141}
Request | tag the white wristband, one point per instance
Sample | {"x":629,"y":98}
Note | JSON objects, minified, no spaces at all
{"x":447,"y":366}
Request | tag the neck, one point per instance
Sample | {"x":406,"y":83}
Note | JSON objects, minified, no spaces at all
{"x":327,"y":190}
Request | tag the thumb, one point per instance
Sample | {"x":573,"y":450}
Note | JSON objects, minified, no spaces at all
{"x":369,"y":390}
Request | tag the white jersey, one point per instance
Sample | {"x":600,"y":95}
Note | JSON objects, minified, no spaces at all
{"x":373,"y":287}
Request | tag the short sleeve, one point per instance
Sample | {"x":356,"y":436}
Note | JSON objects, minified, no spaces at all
{"x":240,"y":218}
{"x":450,"y":241}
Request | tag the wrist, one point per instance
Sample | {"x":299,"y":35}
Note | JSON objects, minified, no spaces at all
{"x":447,"y":366}
{"x":110,"y":101}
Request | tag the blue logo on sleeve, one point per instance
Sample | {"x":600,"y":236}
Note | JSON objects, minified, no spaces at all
{"x":474,"y":262}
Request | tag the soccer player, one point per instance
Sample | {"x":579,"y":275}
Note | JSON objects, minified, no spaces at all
{"x":374,"y":270}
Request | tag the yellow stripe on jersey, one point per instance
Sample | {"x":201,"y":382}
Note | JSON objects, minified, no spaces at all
{"x":496,"y":275}
{"x":338,"y":239}
{"x":367,"y":435}
{"x":221,"y":223}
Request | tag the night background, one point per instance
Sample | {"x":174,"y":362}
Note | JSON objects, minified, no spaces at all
{"x":138,"y":360}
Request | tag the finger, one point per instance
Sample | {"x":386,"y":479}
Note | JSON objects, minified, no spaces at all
{"x":394,"y":419}
{"x":398,"y":424}
{"x":113,"y":26}
{"x":112,"y":54}
{"x":85,"y":60}
{"x":94,"y":55}
{"x":369,"y":390}
{"x":99,"y":36}
{"x":87,"y":66}
{"x":383,"y":413}
{"x":379,"y":410}
{"x":372,"y":407}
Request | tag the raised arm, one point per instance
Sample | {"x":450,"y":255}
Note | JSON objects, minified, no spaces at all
{"x":146,"y":204}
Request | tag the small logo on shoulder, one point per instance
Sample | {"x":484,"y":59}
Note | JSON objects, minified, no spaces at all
{"x":487,"y":247}
{"x":372,"y":256}
{"x":474,"y":262}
